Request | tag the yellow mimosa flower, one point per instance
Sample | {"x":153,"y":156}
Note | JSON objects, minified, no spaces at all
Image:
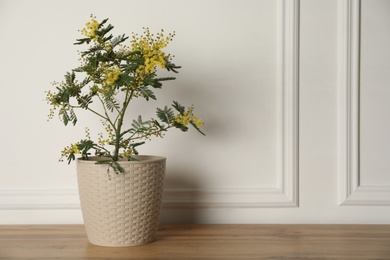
{"x":90,"y":29}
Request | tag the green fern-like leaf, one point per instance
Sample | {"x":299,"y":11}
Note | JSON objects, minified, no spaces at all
{"x":197,"y":128}
{"x":165,"y":115}
{"x":71,"y":158}
{"x":68,"y":115}
{"x":84,"y":101}
{"x":139,"y":126}
{"x":82,"y":41}
{"x":118,"y":40}
{"x":179,"y":107}
{"x":73,"y":116}
{"x":84,"y":146}
{"x":137,"y":123}
{"x":172,"y":67}
{"x":134,"y":145}
{"x":146,"y":93}
{"x":125,"y":79}
{"x":112,"y":164}
{"x":165,"y":78}
{"x":180,"y":126}
{"x":110,"y":102}
{"x":70,"y":78}
{"x":65,"y":117}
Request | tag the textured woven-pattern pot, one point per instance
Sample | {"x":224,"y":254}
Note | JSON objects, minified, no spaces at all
{"x":122,"y":210}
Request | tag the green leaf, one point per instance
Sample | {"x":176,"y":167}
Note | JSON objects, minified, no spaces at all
{"x":73,"y":116}
{"x":134,"y":145}
{"x":180,"y":126}
{"x":69,"y":78}
{"x":165,"y":115}
{"x":84,"y":101}
{"x":172,"y":67}
{"x":165,"y":78}
{"x":146,"y":93}
{"x":82,"y":41}
{"x":125,"y":79}
{"x":110,"y":102}
{"x":92,"y":49}
{"x":150,"y":80}
{"x":138,"y":124}
{"x":65,"y":117}
{"x":197,"y":128}
{"x":84,"y":146}
{"x":113,"y":164}
{"x":71,"y":157}
{"x":117,"y":167}
{"x":68,"y":115}
{"x":179,"y":107}
{"x":118,"y":40}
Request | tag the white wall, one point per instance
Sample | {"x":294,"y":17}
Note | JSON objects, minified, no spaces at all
{"x":240,"y":68}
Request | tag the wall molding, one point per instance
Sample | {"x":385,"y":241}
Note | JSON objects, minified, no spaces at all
{"x":351,"y":192}
{"x":43,"y":199}
{"x":290,"y":69}
{"x":285,"y":194}
{"x":68,"y":199}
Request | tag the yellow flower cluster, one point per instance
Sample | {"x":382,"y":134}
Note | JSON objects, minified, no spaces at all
{"x":50,"y":100}
{"x":127,"y":153}
{"x":105,"y":74}
{"x":188,"y":117}
{"x":87,"y":133}
{"x":110,"y":76}
{"x":90,"y":29}
{"x":72,"y":148}
{"x":150,"y":48}
{"x":110,"y":133}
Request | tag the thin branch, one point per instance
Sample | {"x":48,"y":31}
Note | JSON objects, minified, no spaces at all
{"x":106,"y":113}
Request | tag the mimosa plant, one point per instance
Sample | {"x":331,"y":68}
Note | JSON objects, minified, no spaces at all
{"x":113,"y":74}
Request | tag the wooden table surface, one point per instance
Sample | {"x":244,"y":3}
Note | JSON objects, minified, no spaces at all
{"x":204,"y":242}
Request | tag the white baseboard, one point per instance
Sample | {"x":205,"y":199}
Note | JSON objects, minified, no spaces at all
{"x":173,"y":198}
{"x":39,"y":199}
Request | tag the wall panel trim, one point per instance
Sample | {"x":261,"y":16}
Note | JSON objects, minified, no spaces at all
{"x":351,"y":192}
{"x":46,"y":199}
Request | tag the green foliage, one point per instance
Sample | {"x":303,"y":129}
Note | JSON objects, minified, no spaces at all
{"x":110,"y":102}
{"x":165,"y":115}
{"x":113,"y":70}
{"x":111,"y":164}
{"x":118,"y":40}
{"x":146,"y":93}
{"x":84,"y":146}
{"x":139,"y":126}
{"x":68,"y":115}
{"x":133,"y":146}
{"x":179,"y":107}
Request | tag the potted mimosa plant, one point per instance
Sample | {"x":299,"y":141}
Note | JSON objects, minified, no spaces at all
{"x":120,"y":190}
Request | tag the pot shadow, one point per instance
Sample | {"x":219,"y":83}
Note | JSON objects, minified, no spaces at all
{"x":181,"y":199}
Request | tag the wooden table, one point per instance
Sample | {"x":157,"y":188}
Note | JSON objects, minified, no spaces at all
{"x":204,"y":242}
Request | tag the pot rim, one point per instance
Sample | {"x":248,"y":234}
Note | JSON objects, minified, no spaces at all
{"x":140,"y":159}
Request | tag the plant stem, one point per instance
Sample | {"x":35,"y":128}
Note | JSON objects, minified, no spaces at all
{"x":93,"y":111}
{"x":120,"y":123}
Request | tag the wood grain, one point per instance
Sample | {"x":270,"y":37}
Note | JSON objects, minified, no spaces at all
{"x":205,"y":242}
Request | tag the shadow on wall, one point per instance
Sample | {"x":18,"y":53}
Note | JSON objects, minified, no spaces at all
{"x":181,"y":200}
